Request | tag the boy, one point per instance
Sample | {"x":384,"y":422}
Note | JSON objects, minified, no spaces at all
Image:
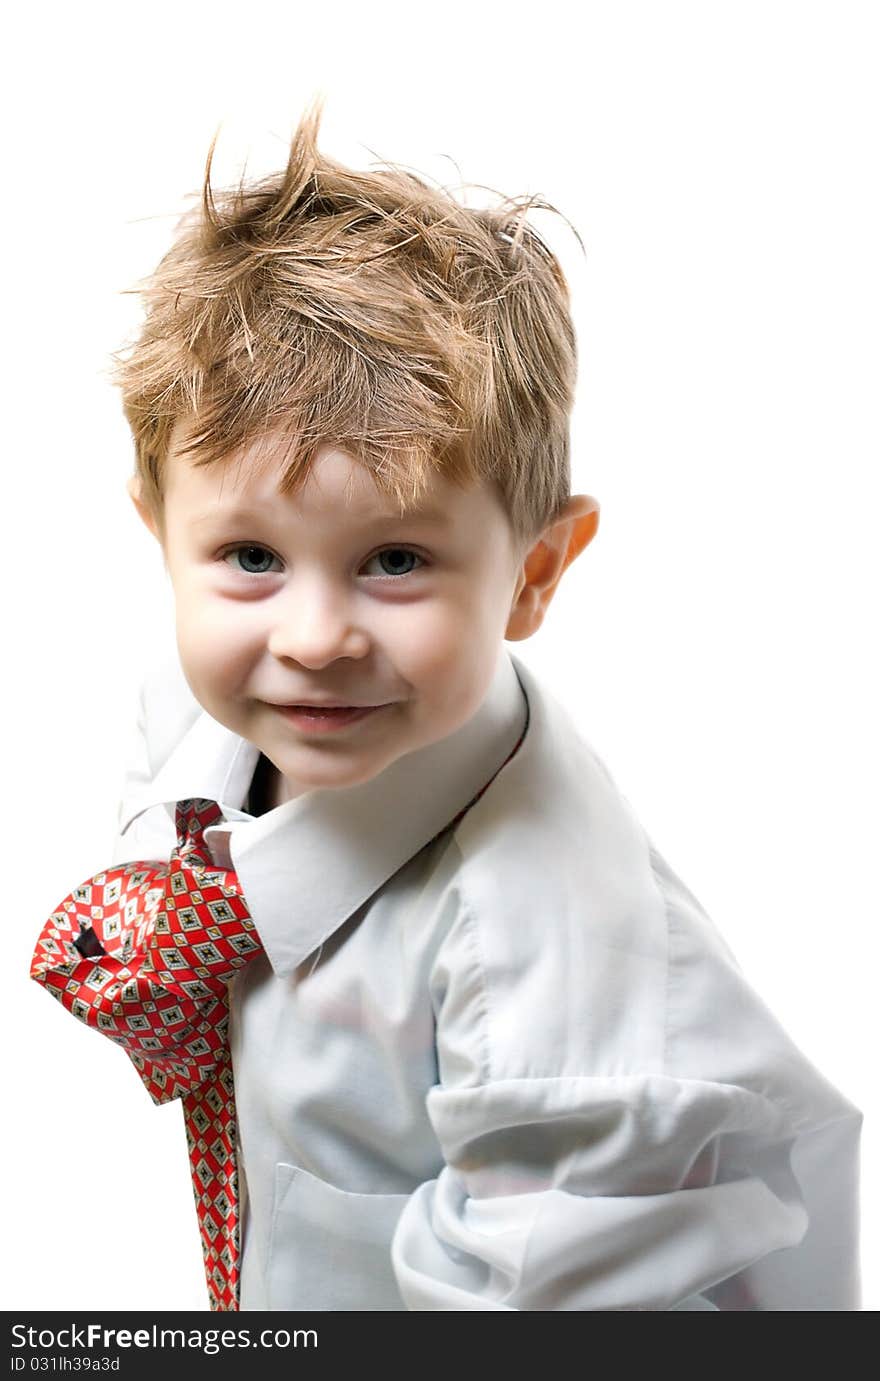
{"x":486,"y":1050}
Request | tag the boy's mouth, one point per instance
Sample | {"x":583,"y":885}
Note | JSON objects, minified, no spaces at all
{"x":325,"y":718}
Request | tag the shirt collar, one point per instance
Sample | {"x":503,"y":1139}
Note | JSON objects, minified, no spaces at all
{"x":307,"y":865}
{"x":210,"y":762}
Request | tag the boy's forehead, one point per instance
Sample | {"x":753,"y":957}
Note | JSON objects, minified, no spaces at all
{"x":250,"y":483}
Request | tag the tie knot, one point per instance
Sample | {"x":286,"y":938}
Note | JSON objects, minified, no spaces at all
{"x":192,"y":818}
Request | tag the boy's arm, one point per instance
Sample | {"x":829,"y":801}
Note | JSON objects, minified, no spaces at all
{"x":619,"y":1183}
{"x":601,"y":1194}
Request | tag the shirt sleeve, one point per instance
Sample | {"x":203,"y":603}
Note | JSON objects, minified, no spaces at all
{"x":629,"y":1183}
{"x":586,"y":1193}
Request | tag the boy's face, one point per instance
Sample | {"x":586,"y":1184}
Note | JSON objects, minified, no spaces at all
{"x":330,"y":595}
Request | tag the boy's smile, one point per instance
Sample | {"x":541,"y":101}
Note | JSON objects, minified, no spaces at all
{"x":329,"y":598}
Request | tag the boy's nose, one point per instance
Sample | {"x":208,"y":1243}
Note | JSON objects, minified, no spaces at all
{"x":314,"y":629}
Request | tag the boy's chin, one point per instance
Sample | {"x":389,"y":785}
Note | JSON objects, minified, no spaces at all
{"x":310,"y":770}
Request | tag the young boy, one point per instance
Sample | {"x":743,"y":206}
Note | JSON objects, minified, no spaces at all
{"x":488,"y":1052}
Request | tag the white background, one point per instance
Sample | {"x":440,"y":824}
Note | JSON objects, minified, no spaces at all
{"x":717,"y":640}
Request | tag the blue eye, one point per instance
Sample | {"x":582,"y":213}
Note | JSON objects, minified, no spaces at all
{"x":252,"y":559}
{"x":256,"y":558}
{"x":397,"y":559}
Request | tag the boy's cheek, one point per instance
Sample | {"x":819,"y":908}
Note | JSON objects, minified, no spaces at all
{"x":217,"y":629}
{"x":436,"y":649}
{"x":216,"y":667}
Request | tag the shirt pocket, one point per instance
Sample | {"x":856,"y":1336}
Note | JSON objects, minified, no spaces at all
{"x":330,"y":1249}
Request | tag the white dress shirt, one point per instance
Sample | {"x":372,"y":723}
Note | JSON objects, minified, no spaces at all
{"x":509,"y":1065}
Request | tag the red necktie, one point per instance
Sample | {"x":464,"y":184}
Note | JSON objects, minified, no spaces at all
{"x":143,"y":953}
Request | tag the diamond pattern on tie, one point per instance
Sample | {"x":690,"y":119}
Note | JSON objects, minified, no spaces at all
{"x":144,"y":953}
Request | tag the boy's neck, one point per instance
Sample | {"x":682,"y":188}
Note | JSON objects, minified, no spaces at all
{"x":268,"y":788}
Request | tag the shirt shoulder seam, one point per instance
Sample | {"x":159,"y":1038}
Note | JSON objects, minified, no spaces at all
{"x":470,"y":925}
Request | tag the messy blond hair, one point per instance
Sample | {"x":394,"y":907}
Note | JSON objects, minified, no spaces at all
{"x":367,"y":310}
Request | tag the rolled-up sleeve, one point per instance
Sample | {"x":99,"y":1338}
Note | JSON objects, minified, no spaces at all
{"x":586,"y":1193}
{"x":622,"y":1123}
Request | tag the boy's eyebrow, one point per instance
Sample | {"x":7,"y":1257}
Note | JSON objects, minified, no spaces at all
{"x":245,"y":513}
{"x":226,"y":515}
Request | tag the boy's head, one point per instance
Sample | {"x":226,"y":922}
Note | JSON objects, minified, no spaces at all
{"x":350,"y":403}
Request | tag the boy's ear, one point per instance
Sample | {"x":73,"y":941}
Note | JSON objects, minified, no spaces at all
{"x":544,"y":563}
{"x":133,"y":485}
